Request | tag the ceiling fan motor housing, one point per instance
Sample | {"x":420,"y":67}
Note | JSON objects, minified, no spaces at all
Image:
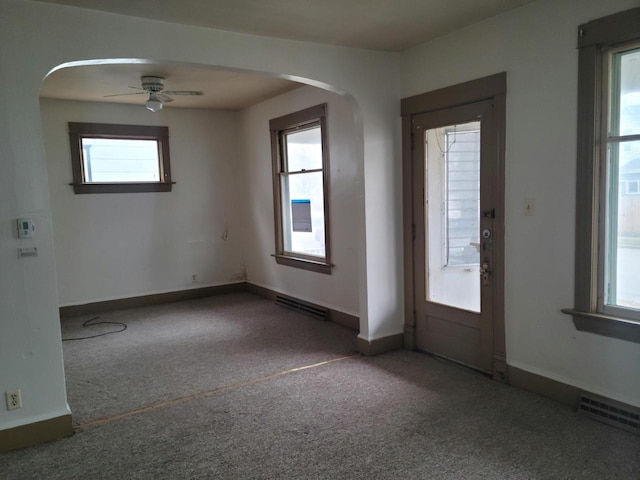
{"x":152,"y":84}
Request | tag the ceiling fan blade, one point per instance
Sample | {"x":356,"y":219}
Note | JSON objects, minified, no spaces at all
{"x":183,"y":92}
{"x":123,"y":94}
{"x":163,"y":97}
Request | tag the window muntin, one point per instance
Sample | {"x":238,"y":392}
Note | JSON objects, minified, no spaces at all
{"x":113,"y":158}
{"x":619,"y":289}
{"x":300,"y":162}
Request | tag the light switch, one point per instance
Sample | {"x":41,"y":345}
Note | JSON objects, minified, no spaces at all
{"x":529,"y":206}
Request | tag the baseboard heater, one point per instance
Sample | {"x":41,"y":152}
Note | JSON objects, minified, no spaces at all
{"x":610,"y":412}
{"x":303,"y":307}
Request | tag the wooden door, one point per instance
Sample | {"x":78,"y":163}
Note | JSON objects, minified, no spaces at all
{"x":456,"y":189}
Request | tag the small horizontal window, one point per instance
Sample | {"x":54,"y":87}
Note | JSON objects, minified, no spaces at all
{"x":111,"y":158}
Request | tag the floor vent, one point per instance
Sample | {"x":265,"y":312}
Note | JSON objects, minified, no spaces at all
{"x":303,"y":307}
{"x":610,"y":412}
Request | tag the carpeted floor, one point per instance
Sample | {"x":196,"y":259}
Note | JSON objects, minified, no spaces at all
{"x":213,"y":388}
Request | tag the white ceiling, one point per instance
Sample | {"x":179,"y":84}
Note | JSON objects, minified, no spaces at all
{"x":223,"y":89}
{"x":392,"y":25}
{"x":375,"y":24}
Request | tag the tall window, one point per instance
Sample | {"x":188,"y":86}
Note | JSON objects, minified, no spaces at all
{"x":607,"y":297}
{"x":621,"y":212}
{"x":111,"y":158}
{"x":300,"y":177}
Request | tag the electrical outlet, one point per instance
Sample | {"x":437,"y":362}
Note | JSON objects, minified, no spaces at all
{"x":14,"y":399}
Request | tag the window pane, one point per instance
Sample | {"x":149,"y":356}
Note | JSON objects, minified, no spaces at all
{"x":304,"y":150}
{"x":299,"y":192}
{"x":108,"y":160}
{"x":623,"y":227}
{"x":626,"y":84}
{"x":453,"y":215}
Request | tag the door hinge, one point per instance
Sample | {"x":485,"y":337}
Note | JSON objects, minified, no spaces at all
{"x":413,"y":140}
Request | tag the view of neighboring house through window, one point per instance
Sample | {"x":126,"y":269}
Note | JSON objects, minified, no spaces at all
{"x":462,"y":186}
{"x":300,"y":161}
{"x":113,"y":158}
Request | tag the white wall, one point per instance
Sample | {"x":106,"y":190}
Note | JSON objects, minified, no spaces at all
{"x":340,"y":289}
{"x":536,"y":46}
{"x":37,"y":37}
{"x":114,"y":246}
{"x":111,"y":246}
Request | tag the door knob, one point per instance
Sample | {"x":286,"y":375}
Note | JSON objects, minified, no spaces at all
{"x":484,"y":273}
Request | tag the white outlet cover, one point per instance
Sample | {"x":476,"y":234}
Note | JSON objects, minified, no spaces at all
{"x":14,"y":399}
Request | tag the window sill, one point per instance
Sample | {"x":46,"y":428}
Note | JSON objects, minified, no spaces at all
{"x":304,"y":264}
{"x":607,"y":325}
{"x":121,"y":187}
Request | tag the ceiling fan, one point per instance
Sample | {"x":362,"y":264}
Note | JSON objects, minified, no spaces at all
{"x":158,"y":96}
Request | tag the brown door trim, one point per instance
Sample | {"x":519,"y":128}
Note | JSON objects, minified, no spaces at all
{"x":491,"y":88}
{"x":485,"y":88}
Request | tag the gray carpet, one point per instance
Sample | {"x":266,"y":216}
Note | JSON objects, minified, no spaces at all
{"x":173,"y":350}
{"x":398,"y":415}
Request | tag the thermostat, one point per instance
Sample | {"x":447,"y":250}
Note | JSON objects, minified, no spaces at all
{"x":25,"y":228}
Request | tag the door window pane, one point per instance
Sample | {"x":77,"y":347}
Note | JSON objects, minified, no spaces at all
{"x":452,"y":209}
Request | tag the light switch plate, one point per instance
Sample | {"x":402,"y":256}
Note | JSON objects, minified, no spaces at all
{"x":529,"y":206}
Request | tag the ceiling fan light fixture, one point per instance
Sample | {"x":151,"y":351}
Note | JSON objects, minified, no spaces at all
{"x":154,"y":104}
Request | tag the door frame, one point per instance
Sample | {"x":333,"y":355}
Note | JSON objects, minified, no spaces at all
{"x":493,"y":88}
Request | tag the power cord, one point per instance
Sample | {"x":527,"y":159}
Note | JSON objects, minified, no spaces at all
{"x":91,"y":322}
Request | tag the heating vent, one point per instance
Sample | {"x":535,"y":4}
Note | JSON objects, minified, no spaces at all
{"x":610,"y":412}
{"x":303,"y":307}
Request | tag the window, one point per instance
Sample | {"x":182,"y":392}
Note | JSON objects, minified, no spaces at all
{"x":607,"y":297}
{"x":108,"y":158}
{"x":300,"y":177}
